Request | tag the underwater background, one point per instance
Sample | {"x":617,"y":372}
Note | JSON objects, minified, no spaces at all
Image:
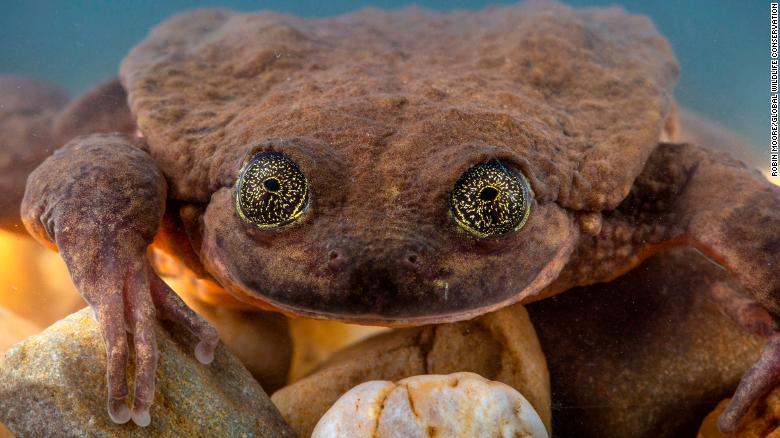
{"x":722,"y":46}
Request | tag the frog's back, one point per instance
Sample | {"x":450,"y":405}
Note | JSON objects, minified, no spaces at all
{"x":581,"y":96}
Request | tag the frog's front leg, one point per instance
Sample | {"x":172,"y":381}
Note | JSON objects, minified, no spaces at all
{"x":100,"y":201}
{"x":688,"y":195}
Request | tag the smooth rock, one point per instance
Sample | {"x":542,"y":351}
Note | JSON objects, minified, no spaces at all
{"x":499,"y":346}
{"x":53,"y":384}
{"x":459,"y":404}
{"x":645,"y":355}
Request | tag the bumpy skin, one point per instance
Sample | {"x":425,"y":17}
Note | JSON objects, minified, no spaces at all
{"x":384,"y":111}
{"x":101,"y":110}
{"x":100,"y":200}
{"x":691,"y":196}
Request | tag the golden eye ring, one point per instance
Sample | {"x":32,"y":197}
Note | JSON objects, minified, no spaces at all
{"x":271,"y":190}
{"x":490,"y":199}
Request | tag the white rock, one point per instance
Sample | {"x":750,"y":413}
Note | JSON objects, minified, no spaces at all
{"x":454,"y":405}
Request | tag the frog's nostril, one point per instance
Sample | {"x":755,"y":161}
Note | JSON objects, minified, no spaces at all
{"x":336,"y":260}
{"x":411,"y":260}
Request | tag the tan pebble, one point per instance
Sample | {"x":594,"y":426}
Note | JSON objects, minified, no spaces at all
{"x":459,"y":404}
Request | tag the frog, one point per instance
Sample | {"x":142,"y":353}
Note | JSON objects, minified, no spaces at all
{"x":394,"y":168}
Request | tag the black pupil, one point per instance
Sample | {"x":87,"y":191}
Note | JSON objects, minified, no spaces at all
{"x":488,"y":194}
{"x":272,"y":184}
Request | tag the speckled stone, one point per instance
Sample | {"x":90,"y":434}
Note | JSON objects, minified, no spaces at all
{"x":53,"y":384}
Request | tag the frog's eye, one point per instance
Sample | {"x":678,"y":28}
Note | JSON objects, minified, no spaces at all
{"x":490,"y":199}
{"x":271,"y":190}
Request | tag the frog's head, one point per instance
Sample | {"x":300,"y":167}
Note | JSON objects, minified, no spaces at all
{"x":404,"y":167}
{"x":404,"y":239}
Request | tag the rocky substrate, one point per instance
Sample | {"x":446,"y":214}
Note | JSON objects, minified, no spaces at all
{"x":500,"y":346}
{"x":53,"y":384}
{"x":648,"y":354}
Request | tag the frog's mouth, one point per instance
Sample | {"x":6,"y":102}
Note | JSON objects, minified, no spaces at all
{"x":371,"y":294}
{"x":377,"y":300}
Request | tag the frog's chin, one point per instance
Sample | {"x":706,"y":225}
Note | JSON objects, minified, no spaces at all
{"x":536,"y":289}
{"x":531,"y":293}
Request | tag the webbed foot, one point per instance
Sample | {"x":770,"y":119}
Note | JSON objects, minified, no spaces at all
{"x":100,"y":200}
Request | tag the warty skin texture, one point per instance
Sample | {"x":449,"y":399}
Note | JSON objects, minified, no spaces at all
{"x":383,"y":112}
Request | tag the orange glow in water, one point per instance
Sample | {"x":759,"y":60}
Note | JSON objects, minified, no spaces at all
{"x":34,"y":282}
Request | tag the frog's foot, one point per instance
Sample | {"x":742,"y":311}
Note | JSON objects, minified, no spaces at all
{"x":127,"y":296}
{"x":765,"y":373}
{"x":100,"y":200}
{"x":731,"y":214}
{"x":171,"y":307}
{"x":758,"y":381}
{"x":744,"y":310}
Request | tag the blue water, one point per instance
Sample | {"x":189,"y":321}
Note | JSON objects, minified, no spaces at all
{"x":722,"y":46}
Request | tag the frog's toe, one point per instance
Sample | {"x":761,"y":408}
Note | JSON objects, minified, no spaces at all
{"x":118,"y":411}
{"x":109,"y":314}
{"x":761,"y":378}
{"x":141,"y":315}
{"x":130,"y":300}
{"x":171,"y":307}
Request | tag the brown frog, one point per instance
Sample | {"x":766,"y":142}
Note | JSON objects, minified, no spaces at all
{"x":396,"y":169}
